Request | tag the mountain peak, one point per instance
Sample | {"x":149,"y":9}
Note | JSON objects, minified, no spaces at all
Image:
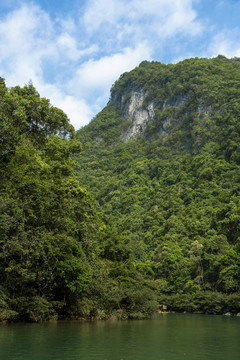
{"x":162,"y":160}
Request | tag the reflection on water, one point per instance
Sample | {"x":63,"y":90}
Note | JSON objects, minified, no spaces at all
{"x":168,"y":337}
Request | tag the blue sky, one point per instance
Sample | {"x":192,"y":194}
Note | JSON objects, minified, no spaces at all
{"x":73,"y":51}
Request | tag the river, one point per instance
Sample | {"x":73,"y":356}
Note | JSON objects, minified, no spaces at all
{"x":166,"y":337}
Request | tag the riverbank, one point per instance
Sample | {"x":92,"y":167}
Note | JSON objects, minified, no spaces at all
{"x":39,"y":309}
{"x":203,"y":302}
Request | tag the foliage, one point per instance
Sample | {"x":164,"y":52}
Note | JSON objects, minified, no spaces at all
{"x":47,"y":220}
{"x":163,"y":226}
{"x":171,"y":196}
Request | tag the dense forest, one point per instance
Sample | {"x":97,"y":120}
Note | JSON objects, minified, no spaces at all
{"x":47,"y":220}
{"x":170,"y":193}
{"x":120,"y":217}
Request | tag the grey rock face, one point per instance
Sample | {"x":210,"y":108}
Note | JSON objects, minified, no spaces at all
{"x":137,"y":111}
{"x":134,"y":111}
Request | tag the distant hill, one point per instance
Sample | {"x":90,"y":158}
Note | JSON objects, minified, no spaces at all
{"x":162,"y":162}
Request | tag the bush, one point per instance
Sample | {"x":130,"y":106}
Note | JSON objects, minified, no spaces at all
{"x":34,"y":309}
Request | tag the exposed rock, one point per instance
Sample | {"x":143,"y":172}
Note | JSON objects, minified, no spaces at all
{"x":137,"y":110}
{"x":138,"y":114}
{"x":134,"y":111}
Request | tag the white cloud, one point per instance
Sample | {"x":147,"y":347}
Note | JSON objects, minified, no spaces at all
{"x":27,"y":39}
{"x":226,"y":43}
{"x":23,"y":30}
{"x":68,"y":46}
{"x":67,"y":24}
{"x":77,"y":110}
{"x":55,"y":52}
{"x":100,"y":74}
{"x":166,"y":17}
{"x":102,"y":11}
{"x":180,"y":18}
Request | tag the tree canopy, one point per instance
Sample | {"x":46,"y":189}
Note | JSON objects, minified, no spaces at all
{"x":172,"y":193}
{"x":162,"y":223}
{"x":47,"y":220}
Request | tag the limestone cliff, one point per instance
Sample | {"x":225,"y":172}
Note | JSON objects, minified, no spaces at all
{"x":138,"y":109}
{"x":136,"y":113}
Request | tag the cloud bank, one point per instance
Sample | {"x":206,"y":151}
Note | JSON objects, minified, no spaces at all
{"x":74,"y":58}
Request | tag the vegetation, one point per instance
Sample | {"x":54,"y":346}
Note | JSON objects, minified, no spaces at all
{"x":163,"y":223}
{"x":47,"y":221}
{"x":52,"y":265}
{"x":171,"y":197}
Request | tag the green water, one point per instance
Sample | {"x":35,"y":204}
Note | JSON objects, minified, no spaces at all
{"x":169,"y":337}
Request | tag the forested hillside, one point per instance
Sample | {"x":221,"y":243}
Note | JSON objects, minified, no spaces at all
{"x":47,"y":220}
{"x":52,"y":264}
{"x":139,"y":208}
{"x":162,"y":161}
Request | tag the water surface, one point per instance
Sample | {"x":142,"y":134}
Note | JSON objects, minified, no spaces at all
{"x":166,"y":337}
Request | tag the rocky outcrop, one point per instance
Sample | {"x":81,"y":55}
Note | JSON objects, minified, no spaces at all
{"x":137,"y":110}
{"x":134,"y":112}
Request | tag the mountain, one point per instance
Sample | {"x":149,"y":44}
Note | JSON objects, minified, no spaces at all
{"x":139,"y":208}
{"x":162,"y":162}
